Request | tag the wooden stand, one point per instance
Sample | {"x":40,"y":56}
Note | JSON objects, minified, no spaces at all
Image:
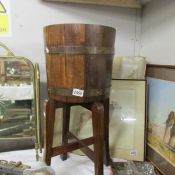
{"x":79,"y":57}
{"x":100,"y":139}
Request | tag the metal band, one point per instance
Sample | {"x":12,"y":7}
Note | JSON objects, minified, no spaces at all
{"x":78,"y":50}
{"x":87,"y":92}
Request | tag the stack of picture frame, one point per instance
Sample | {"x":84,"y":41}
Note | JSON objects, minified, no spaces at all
{"x":128,"y":108}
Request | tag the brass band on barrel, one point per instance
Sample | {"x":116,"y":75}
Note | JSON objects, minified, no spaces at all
{"x":78,"y":50}
{"x":87,"y":92}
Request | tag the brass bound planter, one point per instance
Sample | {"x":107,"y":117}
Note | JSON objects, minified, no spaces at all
{"x":79,"y":56}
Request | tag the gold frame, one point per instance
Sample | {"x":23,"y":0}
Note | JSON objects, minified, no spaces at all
{"x":36,"y":88}
{"x":38,"y":144}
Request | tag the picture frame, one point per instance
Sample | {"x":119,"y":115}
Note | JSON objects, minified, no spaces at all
{"x":81,"y":121}
{"x":127,"y":119}
{"x":161,"y":119}
{"x":115,"y":3}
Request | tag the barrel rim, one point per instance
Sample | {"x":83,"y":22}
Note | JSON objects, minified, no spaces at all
{"x":86,"y":24}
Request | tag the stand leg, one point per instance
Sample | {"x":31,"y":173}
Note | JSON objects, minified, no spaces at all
{"x":98,"y":132}
{"x":49,"y":130}
{"x":66,"y":120}
{"x":107,"y":158}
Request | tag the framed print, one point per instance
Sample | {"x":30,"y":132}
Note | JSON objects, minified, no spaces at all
{"x":161,"y":118}
{"x":127,"y":120}
{"x":129,"y":67}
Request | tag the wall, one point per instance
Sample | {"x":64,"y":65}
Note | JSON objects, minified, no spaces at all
{"x":29,"y":18}
{"x":158,"y":31}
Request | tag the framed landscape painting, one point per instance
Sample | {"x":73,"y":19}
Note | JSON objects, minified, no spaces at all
{"x":161,"y":118}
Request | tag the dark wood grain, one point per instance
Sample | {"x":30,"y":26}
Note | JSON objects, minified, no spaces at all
{"x":50,"y":119}
{"x":98,"y":132}
{"x":79,"y":56}
{"x":164,"y":72}
{"x":84,"y":146}
{"x":107,"y":157}
{"x":71,"y":146}
{"x":100,"y":139}
{"x":159,"y":162}
{"x":82,"y":70}
{"x":65,"y":128}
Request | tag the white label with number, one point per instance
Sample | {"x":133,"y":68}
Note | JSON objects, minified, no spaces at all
{"x":78,"y":92}
{"x":133,"y":153}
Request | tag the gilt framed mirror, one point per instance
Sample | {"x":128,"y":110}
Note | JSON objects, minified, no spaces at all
{"x":18,"y":114}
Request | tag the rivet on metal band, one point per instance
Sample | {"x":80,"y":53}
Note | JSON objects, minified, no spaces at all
{"x":78,"y":50}
{"x":87,"y":92}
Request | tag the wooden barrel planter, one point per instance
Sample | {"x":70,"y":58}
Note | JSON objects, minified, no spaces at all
{"x":79,"y":61}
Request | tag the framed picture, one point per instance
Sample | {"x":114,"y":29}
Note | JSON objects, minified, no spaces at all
{"x":127,"y":120}
{"x":129,"y":67}
{"x":161,"y":118}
